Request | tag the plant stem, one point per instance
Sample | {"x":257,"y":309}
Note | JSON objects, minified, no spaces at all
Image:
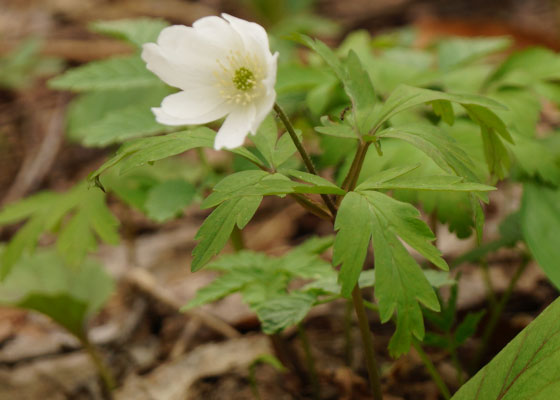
{"x":107,"y":380}
{"x":348,"y":342}
{"x":306,"y":159}
{"x":351,"y":178}
{"x":311,"y":206}
{"x":496,"y":312}
{"x":357,"y":300}
{"x":489,"y":286}
{"x":236,"y":238}
{"x":455,"y":359}
{"x":367,"y":339}
{"x":310,"y":360}
{"x":431,"y":369}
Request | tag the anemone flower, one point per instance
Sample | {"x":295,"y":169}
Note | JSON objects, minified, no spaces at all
{"x":223,"y":67}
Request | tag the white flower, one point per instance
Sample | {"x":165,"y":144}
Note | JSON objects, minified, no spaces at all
{"x":224,"y":68}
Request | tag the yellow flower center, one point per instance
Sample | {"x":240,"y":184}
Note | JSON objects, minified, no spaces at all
{"x":244,"y":79}
{"x":239,"y":77}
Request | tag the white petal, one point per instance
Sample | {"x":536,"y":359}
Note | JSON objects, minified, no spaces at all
{"x":262,"y":109}
{"x":219,"y":33}
{"x":196,"y":106}
{"x":165,"y":65}
{"x":188,"y":45}
{"x":235,"y":128}
{"x":253,"y":35}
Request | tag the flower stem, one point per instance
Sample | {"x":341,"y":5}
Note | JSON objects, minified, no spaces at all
{"x":358,"y":302}
{"x":351,"y":179}
{"x":104,"y":373}
{"x":310,"y":361}
{"x":496,"y":312}
{"x":367,"y":339}
{"x":431,"y":369}
{"x":306,"y":159}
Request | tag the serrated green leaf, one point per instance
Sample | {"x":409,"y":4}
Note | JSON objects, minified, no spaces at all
{"x":444,"y":110}
{"x":540,"y":223}
{"x":324,"y":185}
{"x":354,"y":78}
{"x":278,"y":313}
{"x":116,"y":127}
{"x":136,"y":31}
{"x":266,"y":138}
{"x":537,"y":158}
{"x":167,"y":199}
{"x":527,"y":67}
{"x":357,"y":84}
{"x":42,"y":282}
{"x":438,"y":182}
{"x":14,"y":212}
{"x":89,"y":110}
{"x":114,"y":73}
{"x":249,"y":183}
{"x":400,"y":283}
{"x":527,"y":368}
{"x":441,"y":148}
{"x":216,"y":229}
{"x":222,"y":287}
{"x":354,"y":230}
{"x":142,"y":151}
{"x":23,"y":242}
{"x":467,"y":327}
{"x":89,"y":218}
{"x":453,"y":52}
{"x":405,"y":97}
{"x":343,"y":130}
{"x":404,"y":220}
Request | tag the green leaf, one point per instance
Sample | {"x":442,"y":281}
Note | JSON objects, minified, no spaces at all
{"x":354,"y":230}
{"x":136,"y":31}
{"x":400,"y":283}
{"x":167,"y":199}
{"x":527,"y":67}
{"x":89,"y":219}
{"x":249,"y":183}
{"x":278,"y":313}
{"x":354,"y":78}
{"x":343,"y":130}
{"x":323,"y":185}
{"x":454,"y":52}
{"x":405,"y":97}
{"x":441,"y":148}
{"x":527,"y":368}
{"x":42,"y":282}
{"x":357,"y":85}
{"x":222,"y":287}
{"x":128,"y":123}
{"x":88,"y":111}
{"x":114,"y":73}
{"x":444,"y":110}
{"x":266,"y":138}
{"x":24,"y":208}
{"x":142,"y":151}
{"x":537,"y":158}
{"x":467,"y":327}
{"x":440,"y":182}
{"x":404,"y":220}
{"x":540,"y":223}
{"x":216,"y":229}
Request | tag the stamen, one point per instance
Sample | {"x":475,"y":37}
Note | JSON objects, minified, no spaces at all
{"x":238,"y":77}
